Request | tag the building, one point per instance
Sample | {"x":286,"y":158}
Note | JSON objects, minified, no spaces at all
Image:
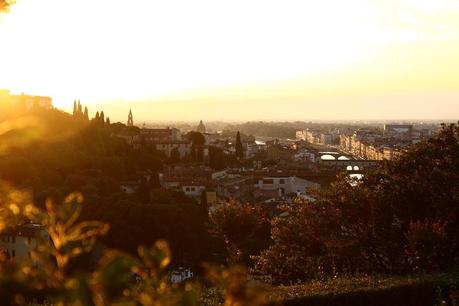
{"x":167,"y":147}
{"x":23,"y":101}
{"x":278,"y":152}
{"x":180,"y":275}
{"x":285,"y":184}
{"x":193,"y":190}
{"x":252,"y":149}
{"x":316,"y":137}
{"x":21,"y":241}
{"x":130,"y":121}
{"x":161,"y":135}
{"x":129,"y":187}
{"x":236,"y":187}
{"x":402,"y":131}
{"x":345,"y":143}
{"x":301,"y":135}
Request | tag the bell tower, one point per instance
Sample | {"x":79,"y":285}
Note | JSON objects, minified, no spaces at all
{"x":130,"y":121}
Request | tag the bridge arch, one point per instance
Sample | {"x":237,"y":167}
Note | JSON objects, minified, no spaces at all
{"x":327,"y":157}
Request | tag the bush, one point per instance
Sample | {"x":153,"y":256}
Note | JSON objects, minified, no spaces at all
{"x":427,"y":245}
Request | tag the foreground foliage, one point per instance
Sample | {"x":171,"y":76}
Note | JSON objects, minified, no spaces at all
{"x":50,"y":275}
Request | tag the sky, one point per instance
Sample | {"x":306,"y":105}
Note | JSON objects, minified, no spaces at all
{"x":238,"y":59}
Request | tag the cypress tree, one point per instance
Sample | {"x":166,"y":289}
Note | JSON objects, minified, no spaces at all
{"x":107,"y":121}
{"x":80,"y":111}
{"x":97,"y":117}
{"x":86,"y":114}
{"x":154,"y":180}
{"x":102,"y":117}
{"x":74,"y":108}
{"x":204,"y":206}
{"x":239,"y":150}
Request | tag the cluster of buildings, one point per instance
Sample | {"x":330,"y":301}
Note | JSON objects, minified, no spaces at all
{"x":247,"y":185}
{"x":318,"y":137}
{"x":376,"y":145}
{"x":21,"y":241}
{"x":368,"y":143}
{"x":168,"y":141}
{"x":23,"y":101}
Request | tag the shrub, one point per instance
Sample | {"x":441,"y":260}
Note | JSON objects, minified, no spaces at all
{"x":427,"y":245}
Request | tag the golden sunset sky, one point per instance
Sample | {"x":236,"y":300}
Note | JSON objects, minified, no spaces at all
{"x":238,"y":59}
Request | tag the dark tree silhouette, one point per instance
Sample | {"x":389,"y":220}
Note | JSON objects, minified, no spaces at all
{"x":79,"y":111}
{"x":102,"y":117}
{"x":217,"y":158}
{"x":75,"y":109}
{"x":86,"y":114}
{"x":203,"y":203}
{"x":239,"y":150}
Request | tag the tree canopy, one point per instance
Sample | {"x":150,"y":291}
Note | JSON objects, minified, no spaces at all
{"x":402,"y":217}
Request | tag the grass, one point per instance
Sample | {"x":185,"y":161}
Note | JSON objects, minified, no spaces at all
{"x":419,"y":290}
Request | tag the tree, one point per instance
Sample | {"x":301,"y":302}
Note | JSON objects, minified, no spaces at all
{"x":400,"y":217}
{"x":203,"y":203}
{"x":306,"y":239}
{"x":102,"y":117}
{"x":96,"y":118}
{"x":239,"y":149}
{"x":244,"y":228}
{"x":217,"y":158}
{"x":86,"y":114}
{"x":143,"y":191}
{"x":57,"y":261}
{"x":107,"y":122}
{"x":79,"y":111}
{"x":75,"y":109}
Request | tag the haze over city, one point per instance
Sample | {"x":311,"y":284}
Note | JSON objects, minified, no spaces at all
{"x":238,"y":60}
{"x":229,"y":153}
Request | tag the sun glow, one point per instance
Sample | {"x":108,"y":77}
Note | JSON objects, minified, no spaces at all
{"x":126,"y":50}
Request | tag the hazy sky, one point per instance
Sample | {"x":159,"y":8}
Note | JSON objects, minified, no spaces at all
{"x":237,"y":59}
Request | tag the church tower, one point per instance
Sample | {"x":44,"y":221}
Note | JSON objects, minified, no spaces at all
{"x":130,"y":121}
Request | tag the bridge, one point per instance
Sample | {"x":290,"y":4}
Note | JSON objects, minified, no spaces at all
{"x":350,"y":165}
{"x":334,"y":155}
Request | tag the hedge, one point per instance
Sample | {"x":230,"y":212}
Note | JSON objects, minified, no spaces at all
{"x":420,"y":290}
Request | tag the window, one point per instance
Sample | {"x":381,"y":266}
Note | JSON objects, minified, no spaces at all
{"x":13,"y":253}
{"x":268,"y":181}
{"x":281,"y":181}
{"x":187,"y":189}
{"x":13,"y":239}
